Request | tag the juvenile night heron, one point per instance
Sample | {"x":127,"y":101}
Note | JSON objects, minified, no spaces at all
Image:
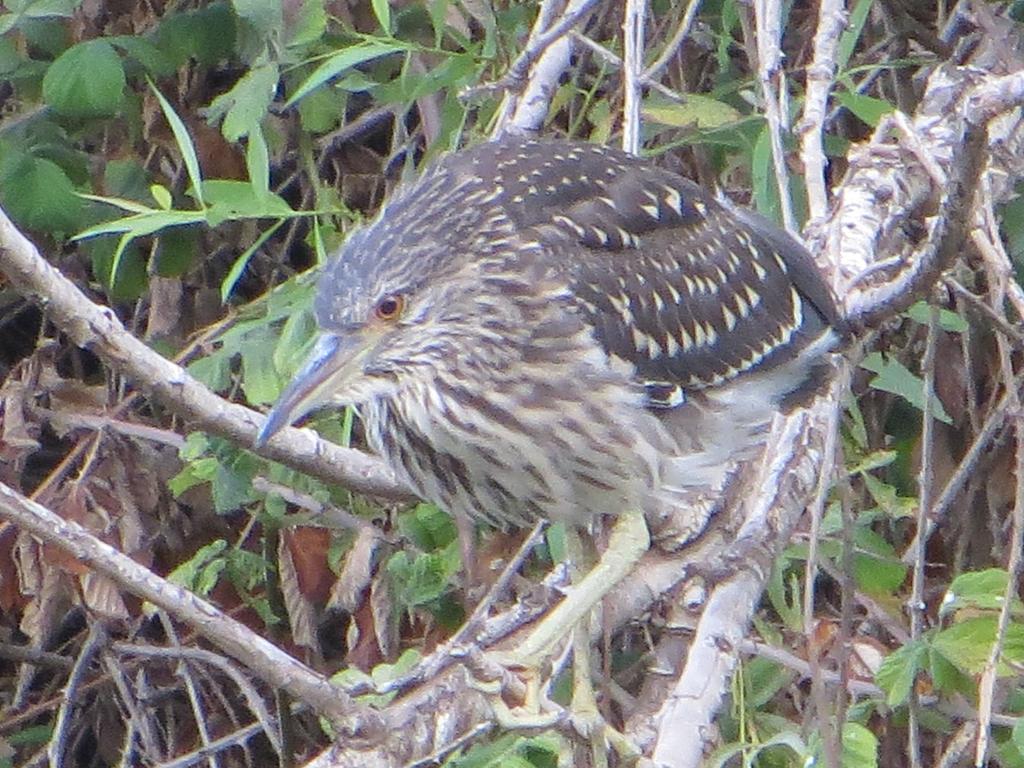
{"x":556,"y":330}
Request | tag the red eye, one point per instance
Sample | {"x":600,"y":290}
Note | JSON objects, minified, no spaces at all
{"x":389,"y":308}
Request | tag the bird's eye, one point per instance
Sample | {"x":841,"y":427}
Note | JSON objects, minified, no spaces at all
{"x":389,"y":308}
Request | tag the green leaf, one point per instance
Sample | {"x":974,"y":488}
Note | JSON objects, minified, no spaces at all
{"x":229,"y":199}
{"x":340,"y":61}
{"x":867,"y":108}
{"x":696,"y":111}
{"x":892,"y":376}
{"x":854,"y":27}
{"x":421,"y":579}
{"x":766,"y":191}
{"x":948,"y":320}
{"x":185,"y":145}
{"x":382,"y":10}
{"x":195,"y":473}
{"x":85,"y":81}
{"x":232,"y":486}
{"x":984,"y":590}
{"x":266,"y":16}
{"x":35,"y":9}
{"x":968,"y":643}
{"x":257,"y":161}
{"x":142,"y":224}
{"x":946,"y":677}
{"x":860,"y":747}
{"x":153,"y":60}
{"x":899,"y":670}
{"x":245,"y":105}
{"x":874,"y":460}
{"x":206,"y":35}
{"x":1018,"y":734}
{"x":309,"y":24}
{"x":188,"y":573}
{"x":260,"y":381}
{"x":877,"y":568}
{"x":427,"y":527}
{"x":162,"y":196}
{"x":38,"y":195}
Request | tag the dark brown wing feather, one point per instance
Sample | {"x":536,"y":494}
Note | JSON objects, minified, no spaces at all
{"x":690,"y":292}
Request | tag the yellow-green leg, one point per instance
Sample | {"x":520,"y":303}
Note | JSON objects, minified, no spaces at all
{"x":628,"y":542}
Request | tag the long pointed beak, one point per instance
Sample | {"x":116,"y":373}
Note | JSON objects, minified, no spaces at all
{"x":334,"y":361}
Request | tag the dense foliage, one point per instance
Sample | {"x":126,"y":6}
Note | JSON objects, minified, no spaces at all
{"x":186,"y":163}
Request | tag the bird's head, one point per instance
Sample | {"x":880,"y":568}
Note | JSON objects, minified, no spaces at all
{"x":405,"y":295}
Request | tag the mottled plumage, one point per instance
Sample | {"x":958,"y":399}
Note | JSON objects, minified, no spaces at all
{"x":550,"y":329}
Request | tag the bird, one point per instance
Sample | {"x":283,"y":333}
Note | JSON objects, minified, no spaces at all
{"x":548,"y":329}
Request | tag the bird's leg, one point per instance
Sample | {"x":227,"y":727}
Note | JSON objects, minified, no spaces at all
{"x":628,"y":542}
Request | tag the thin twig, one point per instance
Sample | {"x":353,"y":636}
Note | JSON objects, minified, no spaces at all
{"x":987,"y":682}
{"x":672,"y":46}
{"x":820,"y":76}
{"x":772,"y":79}
{"x":94,"y":641}
{"x":633,"y":62}
{"x":925,"y":481}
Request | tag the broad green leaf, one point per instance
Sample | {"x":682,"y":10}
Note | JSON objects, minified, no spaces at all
{"x":892,"y":376}
{"x":185,"y":145}
{"x":153,"y":60}
{"x":86,"y":81}
{"x":948,"y":320}
{"x":187,"y":574}
{"x":946,"y":677}
{"x":1018,"y":734}
{"x":899,"y":670}
{"x":697,"y":111}
{"x":126,"y":277}
{"x":968,"y":644}
{"x":232,"y":486}
{"x":340,"y":61}
{"x":877,"y":568}
{"x":176,"y":251}
{"x":206,"y":34}
{"x":983,"y":590}
{"x":867,"y":108}
{"x":860,"y":747}
{"x":229,"y":199}
{"x":126,"y":179}
{"x":266,"y":16}
{"x":427,"y":527}
{"x":245,"y":105}
{"x":309,"y":24}
{"x":422,"y":579}
{"x":260,"y":381}
{"x":38,"y":194}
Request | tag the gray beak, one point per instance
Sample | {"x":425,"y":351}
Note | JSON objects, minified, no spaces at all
{"x":333,"y":363}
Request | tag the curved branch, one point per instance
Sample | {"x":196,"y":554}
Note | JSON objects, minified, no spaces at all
{"x":98,"y":328}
